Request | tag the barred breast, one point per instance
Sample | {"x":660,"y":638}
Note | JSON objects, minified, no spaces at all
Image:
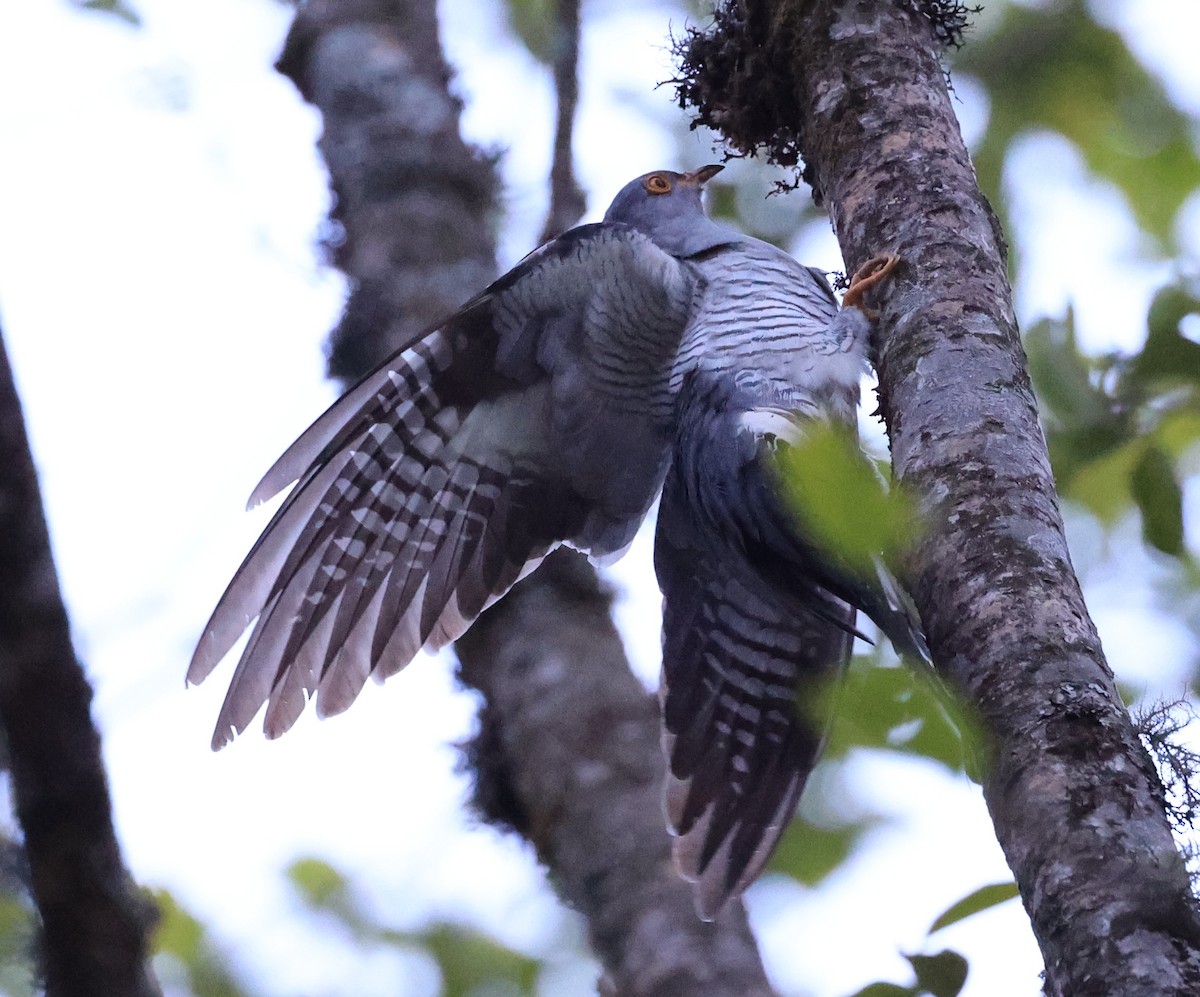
{"x":774,"y":326}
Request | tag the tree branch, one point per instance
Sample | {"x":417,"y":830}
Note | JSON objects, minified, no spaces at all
{"x":95,"y":925}
{"x":567,"y":202}
{"x":568,"y":753}
{"x":413,"y":202}
{"x":1076,"y":803}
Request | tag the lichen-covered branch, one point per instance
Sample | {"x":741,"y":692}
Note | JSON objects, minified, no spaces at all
{"x":95,"y":925}
{"x":1075,"y":800}
{"x":414,"y":203}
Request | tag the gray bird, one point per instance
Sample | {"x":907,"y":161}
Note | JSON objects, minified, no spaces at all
{"x":654,"y":352}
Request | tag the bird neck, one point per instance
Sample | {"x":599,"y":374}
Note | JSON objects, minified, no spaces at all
{"x":686,"y":237}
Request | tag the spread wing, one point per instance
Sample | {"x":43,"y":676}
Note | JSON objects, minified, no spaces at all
{"x":537,"y":414}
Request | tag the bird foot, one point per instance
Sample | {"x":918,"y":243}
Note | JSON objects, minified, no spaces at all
{"x":865,"y":278}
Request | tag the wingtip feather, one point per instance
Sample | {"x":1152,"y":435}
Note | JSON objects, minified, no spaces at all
{"x":326,"y":428}
{"x":221,"y":737}
{"x":716,"y":881}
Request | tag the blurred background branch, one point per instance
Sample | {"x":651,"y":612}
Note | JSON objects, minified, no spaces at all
{"x":567,"y":200}
{"x":93,"y":923}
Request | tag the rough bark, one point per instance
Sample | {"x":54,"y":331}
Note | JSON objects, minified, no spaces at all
{"x":411,"y":222}
{"x":94,"y":923}
{"x":587,"y":774}
{"x":1076,"y":803}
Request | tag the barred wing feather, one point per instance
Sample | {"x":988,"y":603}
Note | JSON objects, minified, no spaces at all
{"x":430,"y":488}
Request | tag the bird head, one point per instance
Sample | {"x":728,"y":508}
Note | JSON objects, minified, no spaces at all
{"x":667,"y":207}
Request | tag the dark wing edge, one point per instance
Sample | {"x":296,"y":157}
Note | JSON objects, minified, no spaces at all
{"x":430,"y":488}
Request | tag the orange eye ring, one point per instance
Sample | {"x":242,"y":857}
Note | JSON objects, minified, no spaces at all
{"x":656,"y":183}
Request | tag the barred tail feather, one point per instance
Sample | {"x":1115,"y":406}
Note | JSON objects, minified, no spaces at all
{"x":743,"y":666}
{"x":725,"y":873}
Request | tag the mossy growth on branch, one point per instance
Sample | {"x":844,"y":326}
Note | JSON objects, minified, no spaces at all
{"x":736,"y":74}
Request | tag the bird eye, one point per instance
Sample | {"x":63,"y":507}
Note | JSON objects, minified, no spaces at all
{"x":656,"y":183}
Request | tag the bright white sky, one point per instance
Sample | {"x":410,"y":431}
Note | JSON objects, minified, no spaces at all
{"x":165,"y":307}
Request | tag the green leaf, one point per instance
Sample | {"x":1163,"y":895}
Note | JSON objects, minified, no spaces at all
{"x":843,"y":504}
{"x":18,"y":930}
{"x":1143,"y":473}
{"x":319,"y":883}
{"x":886,"y":990}
{"x":982,"y":899}
{"x":902,"y":709}
{"x":1179,"y":431}
{"x":942,"y":975}
{"x":1064,"y":376}
{"x":181,"y":936}
{"x":1167,"y":356}
{"x":808,"y":852}
{"x":534,"y":22}
{"x":177,"y":931}
{"x":114,"y":7}
{"x":1103,"y":483}
{"x":1115,"y":447}
{"x":1055,"y":67}
{"x":469,"y":960}
{"x":1160,"y":499}
{"x":326,"y":890}
{"x":1084,"y":423}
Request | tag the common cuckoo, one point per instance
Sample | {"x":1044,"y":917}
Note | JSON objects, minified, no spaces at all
{"x":653,"y":353}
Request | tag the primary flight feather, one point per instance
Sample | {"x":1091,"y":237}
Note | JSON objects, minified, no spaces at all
{"x":654,"y":352}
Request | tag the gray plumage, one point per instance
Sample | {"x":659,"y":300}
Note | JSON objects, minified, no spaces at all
{"x":654,"y":351}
